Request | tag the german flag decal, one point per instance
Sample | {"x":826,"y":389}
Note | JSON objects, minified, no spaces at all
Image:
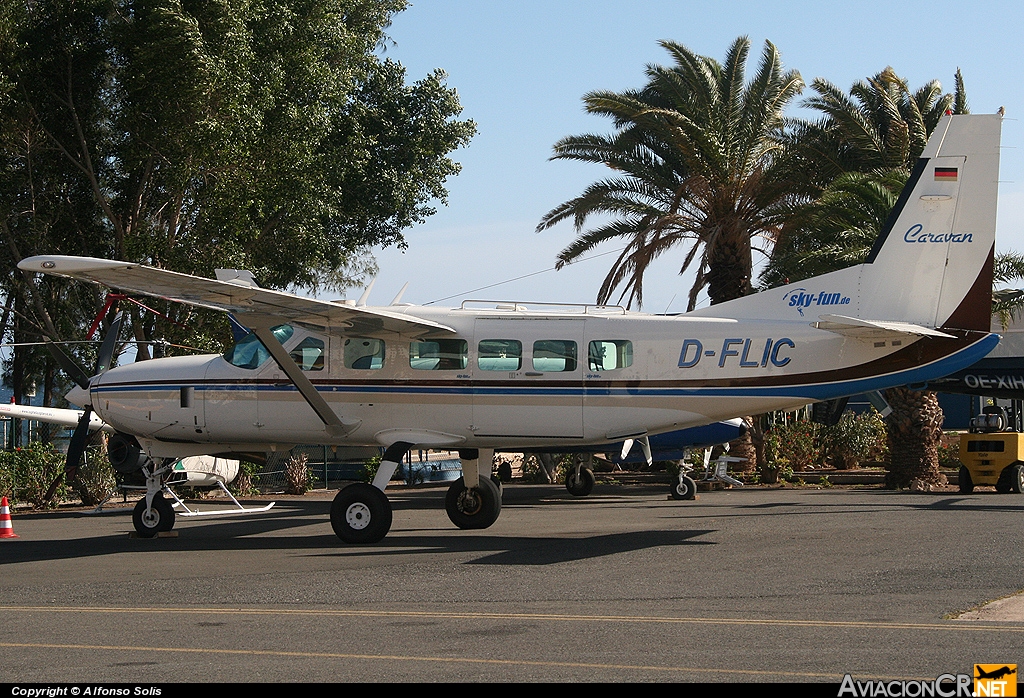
{"x":945,"y":174}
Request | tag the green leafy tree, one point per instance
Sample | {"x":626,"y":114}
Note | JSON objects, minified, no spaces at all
{"x":700,"y":165}
{"x":193,"y":135}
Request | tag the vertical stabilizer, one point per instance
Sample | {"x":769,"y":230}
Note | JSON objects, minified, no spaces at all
{"x":932,"y":265}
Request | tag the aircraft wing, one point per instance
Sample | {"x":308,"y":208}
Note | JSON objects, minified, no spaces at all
{"x":52,"y":415}
{"x":875,"y":330}
{"x":251,"y":305}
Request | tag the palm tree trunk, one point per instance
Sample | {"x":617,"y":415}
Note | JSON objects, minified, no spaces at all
{"x":913,"y":430}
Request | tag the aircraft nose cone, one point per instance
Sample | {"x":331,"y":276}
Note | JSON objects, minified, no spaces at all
{"x":78,"y":396}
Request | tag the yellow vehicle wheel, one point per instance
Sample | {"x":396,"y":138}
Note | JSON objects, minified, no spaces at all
{"x":966,"y":484}
{"x":1011,"y":479}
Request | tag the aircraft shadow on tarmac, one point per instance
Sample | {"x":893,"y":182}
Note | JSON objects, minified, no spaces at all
{"x":256,"y":533}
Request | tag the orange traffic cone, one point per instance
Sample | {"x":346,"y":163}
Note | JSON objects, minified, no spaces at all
{"x":6,"y":528}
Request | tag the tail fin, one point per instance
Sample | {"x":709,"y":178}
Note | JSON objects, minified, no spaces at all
{"x":932,"y":265}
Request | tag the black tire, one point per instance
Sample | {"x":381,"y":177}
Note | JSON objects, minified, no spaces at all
{"x":159,"y":519}
{"x":966,"y":484}
{"x":1010,"y":480}
{"x":684,"y":488}
{"x":473,"y":509}
{"x":497,"y":483}
{"x":361,"y":514}
{"x":584,"y":485}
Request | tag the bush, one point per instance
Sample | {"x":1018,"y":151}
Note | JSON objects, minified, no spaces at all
{"x":296,"y":474}
{"x":792,"y":447}
{"x":95,"y":481}
{"x":245,"y":484}
{"x":855,"y":439}
{"x":26,"y":474}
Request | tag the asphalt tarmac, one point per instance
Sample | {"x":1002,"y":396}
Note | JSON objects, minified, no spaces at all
{"x":749,"y":585}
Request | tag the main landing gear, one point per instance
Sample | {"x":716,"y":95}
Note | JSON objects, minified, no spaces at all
{"x":361,"y":513}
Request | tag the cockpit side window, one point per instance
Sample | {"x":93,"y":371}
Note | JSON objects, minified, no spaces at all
{"x":309,"y":354}
{"x":250,"y":353}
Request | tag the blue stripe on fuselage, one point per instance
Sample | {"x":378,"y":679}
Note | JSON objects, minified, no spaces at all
{"x":812,"y":391}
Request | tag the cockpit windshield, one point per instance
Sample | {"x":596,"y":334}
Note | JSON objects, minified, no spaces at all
{"x":249,"y":352}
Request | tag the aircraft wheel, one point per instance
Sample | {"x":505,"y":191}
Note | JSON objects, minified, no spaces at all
{"x":155,"y":520}
{"x":684,"y":488}
{"x":582,"y":486}
{"x":473,"y":508}
{"x":499,"y":484}
{"x":966,"y":484}
{"x":361,"y":513}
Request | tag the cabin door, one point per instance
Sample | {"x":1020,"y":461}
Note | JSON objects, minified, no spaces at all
{"x":528,"y":378}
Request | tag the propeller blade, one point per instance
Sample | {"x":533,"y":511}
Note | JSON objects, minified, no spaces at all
{"x":76,"y":447}
{"x":69,"y":365}
{"x":626,"y":446}
{"x":75,"y":450}
{"x":109,"y":343}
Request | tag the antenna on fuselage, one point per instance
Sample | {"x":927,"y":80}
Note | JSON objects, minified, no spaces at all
{"x":400,"y":294}
{"x":366,"y":293}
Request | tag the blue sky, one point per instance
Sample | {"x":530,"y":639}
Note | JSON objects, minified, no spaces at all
{"x":521,"y":69}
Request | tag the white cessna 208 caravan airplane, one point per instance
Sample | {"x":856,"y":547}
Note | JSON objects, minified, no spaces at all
{"x":488,"y":376}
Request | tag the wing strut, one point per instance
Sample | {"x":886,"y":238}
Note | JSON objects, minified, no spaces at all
{"x":335,"y":426}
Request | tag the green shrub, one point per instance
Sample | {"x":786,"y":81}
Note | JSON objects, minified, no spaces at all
{"x":855,"y":439}
{"x":792,"y":447}
{"x":26,"y":474}
{"x":95,"y":481}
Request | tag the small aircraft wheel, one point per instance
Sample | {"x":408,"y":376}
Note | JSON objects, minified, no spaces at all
{"x":473,"y":508}
{"x":684,"y":488}
{"x":159,"y":518}
{"x":966,"y":484}
{"x":361,"y":513}
{"x":499,"y":484}
{"x":582,"y":486}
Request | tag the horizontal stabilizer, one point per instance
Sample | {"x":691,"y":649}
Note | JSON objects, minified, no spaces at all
{"x":875,"y":330}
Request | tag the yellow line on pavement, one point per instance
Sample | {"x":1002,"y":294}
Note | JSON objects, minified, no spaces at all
{"x":413,"y":658}
{"x":552,"y":617}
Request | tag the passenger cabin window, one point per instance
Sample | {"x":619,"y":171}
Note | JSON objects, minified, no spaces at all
{"x":249,"y":351}
{"x":500,"y":355}
{"x":610,"y":354}
{"x":439,"y":355}
{"x":364,"y":353}
{"x":554,"y":355}
{"x":309,"y":355}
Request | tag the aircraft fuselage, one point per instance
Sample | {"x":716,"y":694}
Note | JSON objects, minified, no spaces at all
{"x":506,"y":378}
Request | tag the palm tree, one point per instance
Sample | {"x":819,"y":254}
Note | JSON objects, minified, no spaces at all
{"x":701,"y":163}
{"x":880,"y":125}
{"x":870,"y":139}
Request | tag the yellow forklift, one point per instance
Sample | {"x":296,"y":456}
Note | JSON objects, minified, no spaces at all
{"x":992,"y":455}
